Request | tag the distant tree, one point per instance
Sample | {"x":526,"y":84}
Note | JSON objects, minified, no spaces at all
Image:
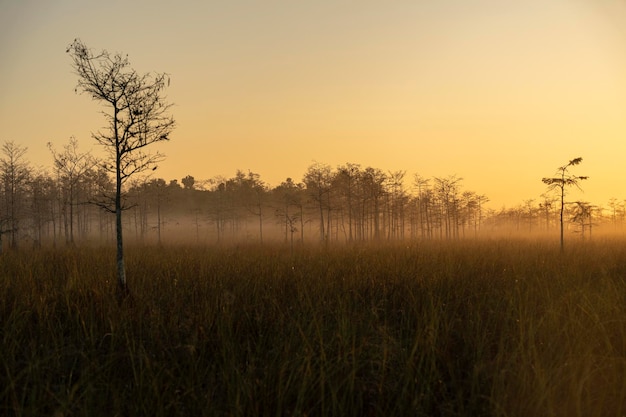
{"x":582,"y":216}
{"x":373,"y":183}
{"x":480,"y":200}
{"x":397,"y":203}
{"x":546,"y":207}
{"x":614,"y":206}
{"x":71,"y":166}
{"x":15,"y":175}
{"x":43,"y":192}
{"x":345,"y":180}
{"x":138,"y":195}
{"x":318,"y":180}
{"x":447,"y":190}
{"x":562,"y":180}
{"x":289,"y":207}
{"x":220,"y":209}
{"x":469,"y":209}
{"x":422,"y":204}
{"x":102,"y":190}
{"x":529,"y":211}
{"x":188,"y":182}
{"x":157,"y":190}
{"x":137,"y":117}
{"x":253,"y":190}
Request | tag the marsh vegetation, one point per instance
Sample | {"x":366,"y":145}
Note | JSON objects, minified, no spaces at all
{"x":458,"y":328}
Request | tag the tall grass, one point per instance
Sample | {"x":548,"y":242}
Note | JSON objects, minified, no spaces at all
{"x":485,"y":328}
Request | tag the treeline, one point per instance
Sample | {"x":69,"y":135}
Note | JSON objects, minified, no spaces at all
{"x":348,"y":203}
{"x":345,"y":204}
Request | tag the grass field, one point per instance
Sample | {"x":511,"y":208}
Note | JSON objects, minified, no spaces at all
{"x":480,"y":328}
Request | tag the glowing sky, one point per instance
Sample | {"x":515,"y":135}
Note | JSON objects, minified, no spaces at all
{"x":498,"y":92}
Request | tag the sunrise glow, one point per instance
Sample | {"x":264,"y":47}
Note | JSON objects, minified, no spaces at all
{"x":499,"y":93}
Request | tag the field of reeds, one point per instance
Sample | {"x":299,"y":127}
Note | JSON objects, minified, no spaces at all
{"x":478,"y":328}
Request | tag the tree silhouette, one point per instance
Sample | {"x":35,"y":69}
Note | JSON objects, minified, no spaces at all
{"x":253,"y":191}
{"x":373,"y":180}
{"x":447,"y":191}
{"x":397,"y":201}
{"x":157,"y":190}
{"x":71,"y":166}
{"x":582,"y":216}
{"x":562,"y":180}
{"x":43,"y":193}
{"x":189,"y":182}
{"x":288,"y":195}
{"x":137,"y":117}
{"x":318,"y":179}
{"x":422,"y":203}
{"x":15,"y":175}
{"x":346,"y":181}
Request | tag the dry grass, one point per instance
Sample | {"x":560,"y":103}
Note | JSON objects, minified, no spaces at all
{"x":492,"y":328}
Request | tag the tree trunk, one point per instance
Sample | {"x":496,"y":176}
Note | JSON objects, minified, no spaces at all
{"x":71,"y":241}
{"x":260,"y":223}
{"x":561,"y":214}
{"x":121,"y":270}
{"x":322,"y":232}
{"x":159,"y":220}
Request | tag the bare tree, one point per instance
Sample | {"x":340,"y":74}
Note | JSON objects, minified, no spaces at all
{"x":253,"y":191}
{"x":480,"y":200}
{"x":546,"y":207}
{"x":345,"y":180}
{"x":71,"y":166}
{"x":397,"y":203}
{"x":373,"y":180}
{"x":157,"y":192}
{"x":43,"y":190}
{"x":318,"y":179}
{"x":219,"y":206}
{"x":137,"y":116}
{"x":564,"y":179}
{"x":582,"y":216}
{"x":447,"y":190}
{"x":422,"y":186}
{"x":289,"y":195}
{"x":14,"y":174}
{"x":529,"y":211}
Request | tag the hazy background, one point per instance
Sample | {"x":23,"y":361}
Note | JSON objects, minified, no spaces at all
{"x":498,"y":92}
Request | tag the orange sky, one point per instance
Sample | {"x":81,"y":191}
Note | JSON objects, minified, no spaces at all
{"x":498,"y":92}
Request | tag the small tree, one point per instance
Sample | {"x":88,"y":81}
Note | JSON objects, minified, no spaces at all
{"x":564,"y":179}
{"x":15,"y":175}
{"x":318,"y":181}
{"x":582,"y":216}
{"x":188,"y":182}
{"x":71,"y":166}
{"x":137,"y":116}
